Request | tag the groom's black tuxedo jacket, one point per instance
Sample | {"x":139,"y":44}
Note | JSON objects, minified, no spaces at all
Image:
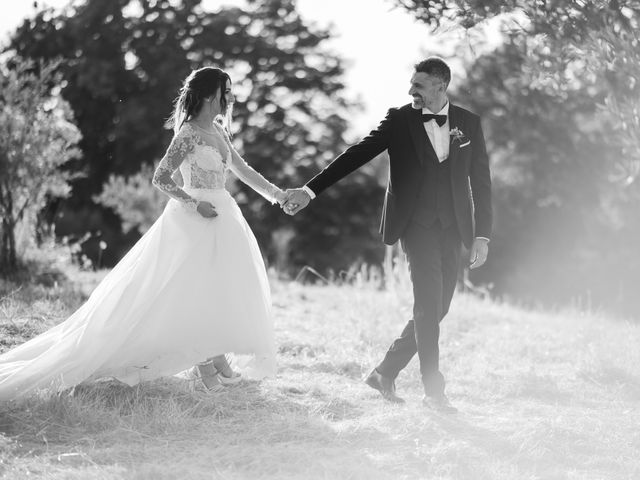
{"x":402,"y":134}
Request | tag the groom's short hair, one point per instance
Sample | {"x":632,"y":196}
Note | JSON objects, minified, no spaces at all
{"x":436,"y":67}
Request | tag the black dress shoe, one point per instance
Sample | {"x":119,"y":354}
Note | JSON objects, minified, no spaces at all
{"x":384,"y":385}
{"x":439,"y":403}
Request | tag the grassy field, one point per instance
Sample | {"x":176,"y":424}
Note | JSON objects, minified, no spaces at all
{"x":541,"y":396}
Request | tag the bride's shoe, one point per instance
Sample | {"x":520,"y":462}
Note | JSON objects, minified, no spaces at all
{"x":232,"y":380}
{"x":208,"y":375}
{"x":226,"y":375}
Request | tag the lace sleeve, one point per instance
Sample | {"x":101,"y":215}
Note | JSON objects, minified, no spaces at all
{"x":249,"y":176}
{"x":163,"y":179}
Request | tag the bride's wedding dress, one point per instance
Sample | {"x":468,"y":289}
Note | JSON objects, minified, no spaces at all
{"x":189,"y":289}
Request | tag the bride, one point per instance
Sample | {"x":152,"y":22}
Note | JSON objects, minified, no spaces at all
{"x":193,"y":288}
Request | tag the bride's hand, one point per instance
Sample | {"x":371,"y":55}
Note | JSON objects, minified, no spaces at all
{"x":281,"y":197}
{"x":206,"y":209}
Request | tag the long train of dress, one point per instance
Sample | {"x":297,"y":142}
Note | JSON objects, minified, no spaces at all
{"x":190,"y":288}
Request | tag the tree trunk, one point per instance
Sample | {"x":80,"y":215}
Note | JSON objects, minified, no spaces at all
{"x":8,"y":259}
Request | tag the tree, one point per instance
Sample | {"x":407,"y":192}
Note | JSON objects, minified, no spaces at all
{"x":123,"y":64}
{"x":37,"y":137}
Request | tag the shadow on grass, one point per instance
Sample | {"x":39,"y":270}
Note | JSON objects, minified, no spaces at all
{"x":540,"y":388}
{"x":349,"y":369}
{"x":608,"y":376}
{"x":110,"y":424}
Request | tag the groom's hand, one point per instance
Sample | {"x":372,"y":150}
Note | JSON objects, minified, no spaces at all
{"x":479,"y":252}
{"x":297,"y":199}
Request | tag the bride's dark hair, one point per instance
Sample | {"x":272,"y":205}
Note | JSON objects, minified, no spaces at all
{"x":200,"y":84}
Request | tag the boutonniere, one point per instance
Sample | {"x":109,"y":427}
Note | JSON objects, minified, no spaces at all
{"x":457,"y":134}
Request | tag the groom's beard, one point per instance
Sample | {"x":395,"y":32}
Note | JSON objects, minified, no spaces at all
{"x":417,"y":103}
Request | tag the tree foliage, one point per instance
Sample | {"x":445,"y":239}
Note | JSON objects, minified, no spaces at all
{"x":37,"y":137}
{"x":123,"y":64}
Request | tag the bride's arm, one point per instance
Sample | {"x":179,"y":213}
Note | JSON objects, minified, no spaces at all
{"x":163,"y":178}
{"x":254,"y":179}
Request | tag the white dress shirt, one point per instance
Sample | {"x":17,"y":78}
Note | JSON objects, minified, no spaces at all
{"x":438,"y":135}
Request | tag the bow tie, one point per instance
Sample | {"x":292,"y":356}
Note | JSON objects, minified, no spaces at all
{"x":440,"y":119}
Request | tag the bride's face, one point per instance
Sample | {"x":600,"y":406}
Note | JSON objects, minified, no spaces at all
{"x":216,"y":102}
{"x":228,"y":94}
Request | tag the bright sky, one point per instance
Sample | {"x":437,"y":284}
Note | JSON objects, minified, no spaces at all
{"x":378,"y":43}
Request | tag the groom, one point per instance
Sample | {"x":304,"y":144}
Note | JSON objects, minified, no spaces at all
{"x":438,"y":198}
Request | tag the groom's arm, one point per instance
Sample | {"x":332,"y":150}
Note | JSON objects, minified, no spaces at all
{"x":350,"y":160}
{"x":353,"y":157}
{"x":480,"y":178}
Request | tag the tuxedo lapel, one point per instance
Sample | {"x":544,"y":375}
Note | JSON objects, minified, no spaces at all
{"x":454,"y":122}
{"x":420,"y":138}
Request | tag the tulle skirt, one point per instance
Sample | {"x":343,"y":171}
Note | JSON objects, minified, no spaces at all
{"x":189,"y":289}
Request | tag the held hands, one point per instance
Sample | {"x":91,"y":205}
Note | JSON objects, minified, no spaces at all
{"x":296,"y":200}
{"x":206,"y":209}
{"x":479,"y":252}
{"x":292,"y":201}
{"x":281,"y":197}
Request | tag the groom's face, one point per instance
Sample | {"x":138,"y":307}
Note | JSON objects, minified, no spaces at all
{"x":426,"y":90}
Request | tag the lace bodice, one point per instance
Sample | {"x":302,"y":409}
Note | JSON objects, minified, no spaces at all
{"x":204,"y":166}
{"x":201,"y":164}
